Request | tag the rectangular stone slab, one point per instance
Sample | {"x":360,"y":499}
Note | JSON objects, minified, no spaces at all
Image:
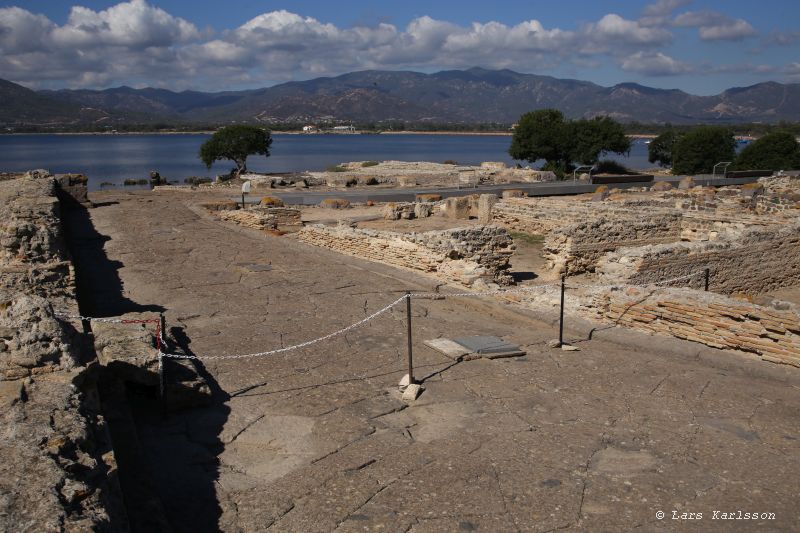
{"x":486,"y":344}
{"x":448,"y":347}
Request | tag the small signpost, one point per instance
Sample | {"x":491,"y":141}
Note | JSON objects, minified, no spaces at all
{"x":245,"y":190}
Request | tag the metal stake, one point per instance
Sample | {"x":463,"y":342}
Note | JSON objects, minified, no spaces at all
{"x":708,"y":275}
{"x":561,"y":320}
{"x":410,"y":353}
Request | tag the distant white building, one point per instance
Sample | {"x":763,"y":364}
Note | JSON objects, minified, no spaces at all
{"x":344,"y":129}
{"x":309,"y":129}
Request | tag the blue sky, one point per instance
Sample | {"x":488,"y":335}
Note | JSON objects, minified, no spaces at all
{"x":701,"y":46}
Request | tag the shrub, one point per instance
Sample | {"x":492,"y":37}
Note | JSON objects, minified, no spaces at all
{"x":371,"y":181}
{"x":136,"y":182}
{"x":608,"y":166}
{"x":336,"y":168}
{"x":601,"y":188}
{"x":335,"y":203}
{"x":428,"y":197}
{"x":700,"y":149}
{"x":450,"y":162}
{"x":774,"y":151}
{"x":271,"y":201}
{"x":369,"y":164}
{"x":661,"y":186}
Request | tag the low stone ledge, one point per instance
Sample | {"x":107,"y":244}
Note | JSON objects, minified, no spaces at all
{"x":468,"y":256}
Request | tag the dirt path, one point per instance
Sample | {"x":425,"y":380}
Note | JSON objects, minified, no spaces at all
{"x":318,"y":440}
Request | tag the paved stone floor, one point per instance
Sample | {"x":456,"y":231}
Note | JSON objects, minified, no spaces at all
{"x":318,"y":440}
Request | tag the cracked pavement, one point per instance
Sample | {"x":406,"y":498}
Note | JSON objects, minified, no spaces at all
{"x":319,"y":440}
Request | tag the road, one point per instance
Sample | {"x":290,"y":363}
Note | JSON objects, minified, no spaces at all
{"x":559,"y":188}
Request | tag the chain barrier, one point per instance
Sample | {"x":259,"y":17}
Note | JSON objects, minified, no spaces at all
{"x":161,"y":342}
{"x":289,"y":348}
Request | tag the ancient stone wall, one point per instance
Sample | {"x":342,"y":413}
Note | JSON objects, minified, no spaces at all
{"x":463,"y":255}
{"x":707,"y":318}
{"x":756,"y":260}
{"x":577,"y":248}
{"x":540,"y":216}
{"x":57,"y":470}
{"x":262,"y":218}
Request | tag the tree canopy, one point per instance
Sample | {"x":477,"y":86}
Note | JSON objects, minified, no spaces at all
{"x":660,"y":149}
{"x":701,"y":148}
{"x":236,"y":143}
{"x":774,"y":151}
{"x":546,"y":134}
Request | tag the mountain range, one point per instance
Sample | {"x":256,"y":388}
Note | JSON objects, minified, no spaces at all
{"x":455,"y":97}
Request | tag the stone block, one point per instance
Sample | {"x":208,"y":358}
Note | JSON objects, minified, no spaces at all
{"x":412,"y":392}
{"x":514,"y":193}
{"x":457,"y":208}
{"x":485,"y":204}
{"x":406,"y":181}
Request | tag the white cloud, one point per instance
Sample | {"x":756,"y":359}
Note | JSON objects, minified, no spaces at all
{"x":658,"y":13}
{"x":133,"y":24}
{"x":715,"y":26}
{"x":654,"y":64}
{"x":136,"y":43}
{"x":614,"y":34}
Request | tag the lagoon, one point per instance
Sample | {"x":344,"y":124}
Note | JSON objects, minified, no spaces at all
{"x":113,"y":158}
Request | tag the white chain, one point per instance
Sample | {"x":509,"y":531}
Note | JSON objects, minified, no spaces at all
{"x":290,"y":348}
{"x":92,"y":319}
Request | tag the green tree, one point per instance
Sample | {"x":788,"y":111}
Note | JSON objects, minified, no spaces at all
{"x":701,"y":148}
{"x":546,"y":134}
{"x":236,"y":143}
{"x":588,"y":139}
{"x":774,"y":151}
{"x":660,"y":149}
{"x":541,"y":134}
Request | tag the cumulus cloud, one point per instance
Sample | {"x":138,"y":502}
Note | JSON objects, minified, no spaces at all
{"x":715,"y":26}
{"x":655,"y":64}
{"x":136,"y":43}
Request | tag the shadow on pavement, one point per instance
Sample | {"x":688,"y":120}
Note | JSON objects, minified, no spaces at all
{"x":167,"y":460}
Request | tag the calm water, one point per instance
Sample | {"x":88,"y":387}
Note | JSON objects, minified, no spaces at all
{"x":114,"y":158}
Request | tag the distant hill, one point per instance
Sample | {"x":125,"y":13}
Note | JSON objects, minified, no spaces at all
{"x":456,"y":96}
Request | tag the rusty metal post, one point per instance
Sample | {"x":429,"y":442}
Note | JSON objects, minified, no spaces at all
{"x":410,"y":353}
{"x":561,"y":319}
{"x":708,"y":276}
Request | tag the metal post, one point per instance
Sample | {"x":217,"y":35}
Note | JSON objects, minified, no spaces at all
{"x":561,"y":320}
{"x":708,"y":275}
{"x":410,"y":353}
{"x":242,"y":200}
{"x":162,"y":325}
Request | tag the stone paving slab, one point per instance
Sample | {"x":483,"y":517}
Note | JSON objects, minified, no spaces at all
{"x":319,"y":440}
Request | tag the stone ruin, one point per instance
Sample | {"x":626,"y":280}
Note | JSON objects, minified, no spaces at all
{"x":474,"y":256}
{"x":748,"y":237}
{"x":59,"y":468}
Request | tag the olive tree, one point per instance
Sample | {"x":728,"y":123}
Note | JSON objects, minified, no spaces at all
{"x":236,"y":143}
{"x":774,"y":151}
{"x":700,"y":149}
{"x":546,"y":134}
